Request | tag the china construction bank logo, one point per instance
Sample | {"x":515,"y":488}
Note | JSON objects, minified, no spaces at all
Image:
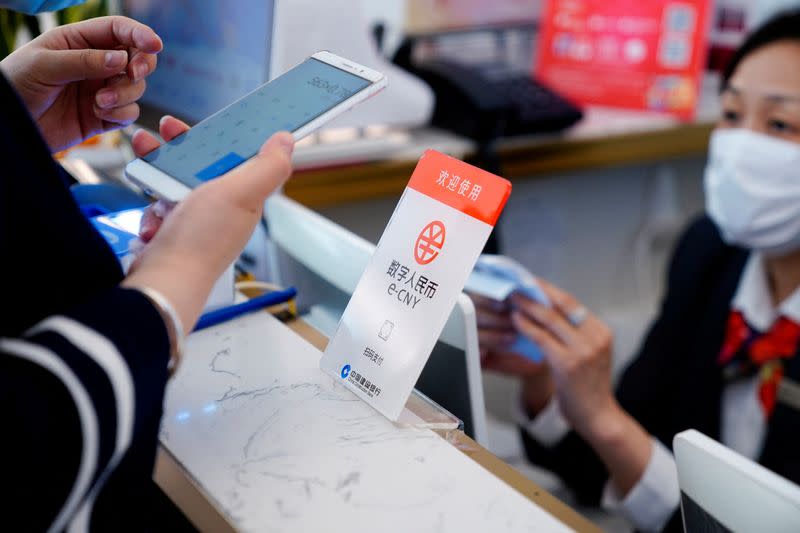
{"x":345,"y":371}
{"x":429,"y":243}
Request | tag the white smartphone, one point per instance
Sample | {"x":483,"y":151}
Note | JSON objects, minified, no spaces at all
{"x":299,"y":101}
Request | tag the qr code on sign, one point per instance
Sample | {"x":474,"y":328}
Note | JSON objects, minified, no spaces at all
{"x":680,"y":18}
{"x":675,"y":51}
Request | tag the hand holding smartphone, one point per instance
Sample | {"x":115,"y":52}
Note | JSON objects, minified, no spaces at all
{"x":299,"y":101}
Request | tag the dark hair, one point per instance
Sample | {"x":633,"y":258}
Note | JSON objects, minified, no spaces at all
{"x":784,"y":26}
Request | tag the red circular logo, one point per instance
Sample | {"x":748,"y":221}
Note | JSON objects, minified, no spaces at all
{"x":429,"y":243}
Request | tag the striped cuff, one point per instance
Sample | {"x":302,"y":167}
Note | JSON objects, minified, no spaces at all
{"x":111,"y":355}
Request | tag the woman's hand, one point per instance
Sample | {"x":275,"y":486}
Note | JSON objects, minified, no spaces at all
{"x":578,"y":353}
{"x":496,"y":334}
{"x":207,"y":230}
{"x":82,"y":79}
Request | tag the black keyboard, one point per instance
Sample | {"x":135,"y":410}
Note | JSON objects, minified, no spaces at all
{"x":488,"y":100}
{"x":536,"y":107}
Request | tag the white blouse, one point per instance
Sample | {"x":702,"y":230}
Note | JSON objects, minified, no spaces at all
{"x":653,"y":500}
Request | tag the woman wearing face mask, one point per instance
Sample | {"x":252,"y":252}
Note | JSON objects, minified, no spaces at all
{"x":728,"y":332}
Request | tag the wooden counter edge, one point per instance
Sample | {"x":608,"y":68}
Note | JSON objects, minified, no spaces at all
{"x":524,"y":485}
{"x":179,"y":486}
{"x":526,"y":159}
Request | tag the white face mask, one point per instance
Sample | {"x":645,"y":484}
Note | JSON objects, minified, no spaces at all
{"x":752,"y":185}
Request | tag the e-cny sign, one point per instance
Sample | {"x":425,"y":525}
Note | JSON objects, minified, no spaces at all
{"x":429,"y":243}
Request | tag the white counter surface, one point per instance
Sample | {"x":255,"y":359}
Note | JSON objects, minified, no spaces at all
{"x":280,"y":447}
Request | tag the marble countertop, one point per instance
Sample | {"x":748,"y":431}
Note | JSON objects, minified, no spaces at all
{"x":280,"y":446}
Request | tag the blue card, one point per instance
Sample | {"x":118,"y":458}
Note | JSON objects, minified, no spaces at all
{"x":497,"y":277}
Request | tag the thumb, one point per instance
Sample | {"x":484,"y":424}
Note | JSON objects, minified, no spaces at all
{"x":64,"y":66}
{"x":251,"y":182}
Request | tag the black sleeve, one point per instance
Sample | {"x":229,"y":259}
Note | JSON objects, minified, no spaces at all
{"x":82,"y":361}
{"x":652,"y":389}
{"x":82,"y":385}
{"x":647,"y":384}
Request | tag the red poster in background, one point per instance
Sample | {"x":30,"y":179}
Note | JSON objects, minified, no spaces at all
{"x":641,"y":54}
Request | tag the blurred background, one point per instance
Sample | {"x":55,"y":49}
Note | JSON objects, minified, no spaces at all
{"x":598,"y":111}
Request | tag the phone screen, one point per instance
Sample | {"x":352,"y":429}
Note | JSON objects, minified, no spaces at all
{"x":234,"y":134}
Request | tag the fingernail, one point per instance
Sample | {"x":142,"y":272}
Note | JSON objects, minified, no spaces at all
{"x":137,"y":133}
{"x":162,"y":208}
{"x":145,"y":230}
{"x":116,"y":58}
{"x":106,"y":98}
{"x":163,"y":119}
{"x":140,"y":71}
{"x":286,"y":143}
{"x":141,"y":36}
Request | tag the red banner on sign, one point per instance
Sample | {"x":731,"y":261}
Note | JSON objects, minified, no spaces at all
{"x":626,"y":53}
{"x":472,"y":191}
